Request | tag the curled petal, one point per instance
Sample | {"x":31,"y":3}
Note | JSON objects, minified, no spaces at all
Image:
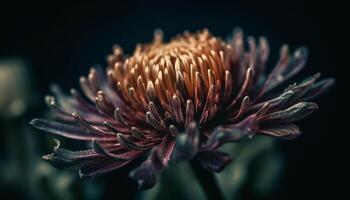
{"x":282,"y":131}
{"x":291,"y":114}
{"x":214,"y":161}
{"x":89,"y":163}
{"x":63,"y":158}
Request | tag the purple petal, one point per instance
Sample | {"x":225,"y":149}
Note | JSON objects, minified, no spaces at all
{"x":88,"y":162}
{"x":233,"y":133}
{"x":296,"y":62}
{"x":284,"y":71}
{"x":63,"y":99}
{"x":129,"y":155}
{"x":303,"y":87}
{"x":291,"y":114}
{"x":69,"y":131}
{"x":146,"y":174}
{"x":84,"y":105}
{"x":282,"y":131}
{"x":63,"y":158}
{"x":214,"y":161}
{"x":165,"y":149}
{"x":187,"y":143}
{"x":319,"y":88}
{"x":291,"y":95}
{"x":278,"y":102}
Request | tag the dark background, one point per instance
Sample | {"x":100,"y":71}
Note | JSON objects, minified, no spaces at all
{"x":62,"y":40}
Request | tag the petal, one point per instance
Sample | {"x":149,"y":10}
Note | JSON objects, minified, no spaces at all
{"x":88,"y":162}
{"x":282,"y":131}
{"x":296,"y":62}
{"x":65,"y":101}
{"x":303,"y":87}
{"x":319,"y":88}
{"x":291,"y":114}
{"x":287,"y":67}
{"x":290,"y":96}
{"x":187,"y":143}
{"x":214,"y":161}
{"x":63,"y":158}
{"x":233,"y":133}
{"x":146,"y":174}
{"x":276,"y":102}
{"x":128,"y":155}
{"x":69,"y":131}
{"x":165,"y":149}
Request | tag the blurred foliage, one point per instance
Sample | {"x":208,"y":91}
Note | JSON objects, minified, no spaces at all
{"x":15,"y":88}
{"x":256,"y":168}
{"x":23,"y":175}
{"x":257,"y":165}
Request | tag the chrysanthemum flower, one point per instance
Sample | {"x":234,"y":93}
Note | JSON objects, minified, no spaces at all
{"x":178,"y":101}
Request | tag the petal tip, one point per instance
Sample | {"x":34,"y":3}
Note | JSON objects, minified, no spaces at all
{"x":34,"y":122}
{"x":47,"y":157}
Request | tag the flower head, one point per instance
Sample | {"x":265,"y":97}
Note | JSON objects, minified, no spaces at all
{"x":178,"y":101}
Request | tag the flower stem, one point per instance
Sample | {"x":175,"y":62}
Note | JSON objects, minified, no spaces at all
{"x":207,"y":181}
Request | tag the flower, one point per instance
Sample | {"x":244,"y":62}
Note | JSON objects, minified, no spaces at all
{"x":179,"y":101}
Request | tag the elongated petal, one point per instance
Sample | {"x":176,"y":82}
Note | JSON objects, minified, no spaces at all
{"x":63,"y":158}
{"x":275,"y":103}
{"x":165,"y":149}
{"x":296,"y":63}
{"x":303,"y":87}
{"x":282,"y":131}
{"x":214,"y":161}
{"x":88,"y":162}
{"x":291,"y":114}
{"x":285,"y":71}
{"x":129,"y":155}
{"x":69,"y":131}
{"x":319,"y":88}
{"x":65,"y":101}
